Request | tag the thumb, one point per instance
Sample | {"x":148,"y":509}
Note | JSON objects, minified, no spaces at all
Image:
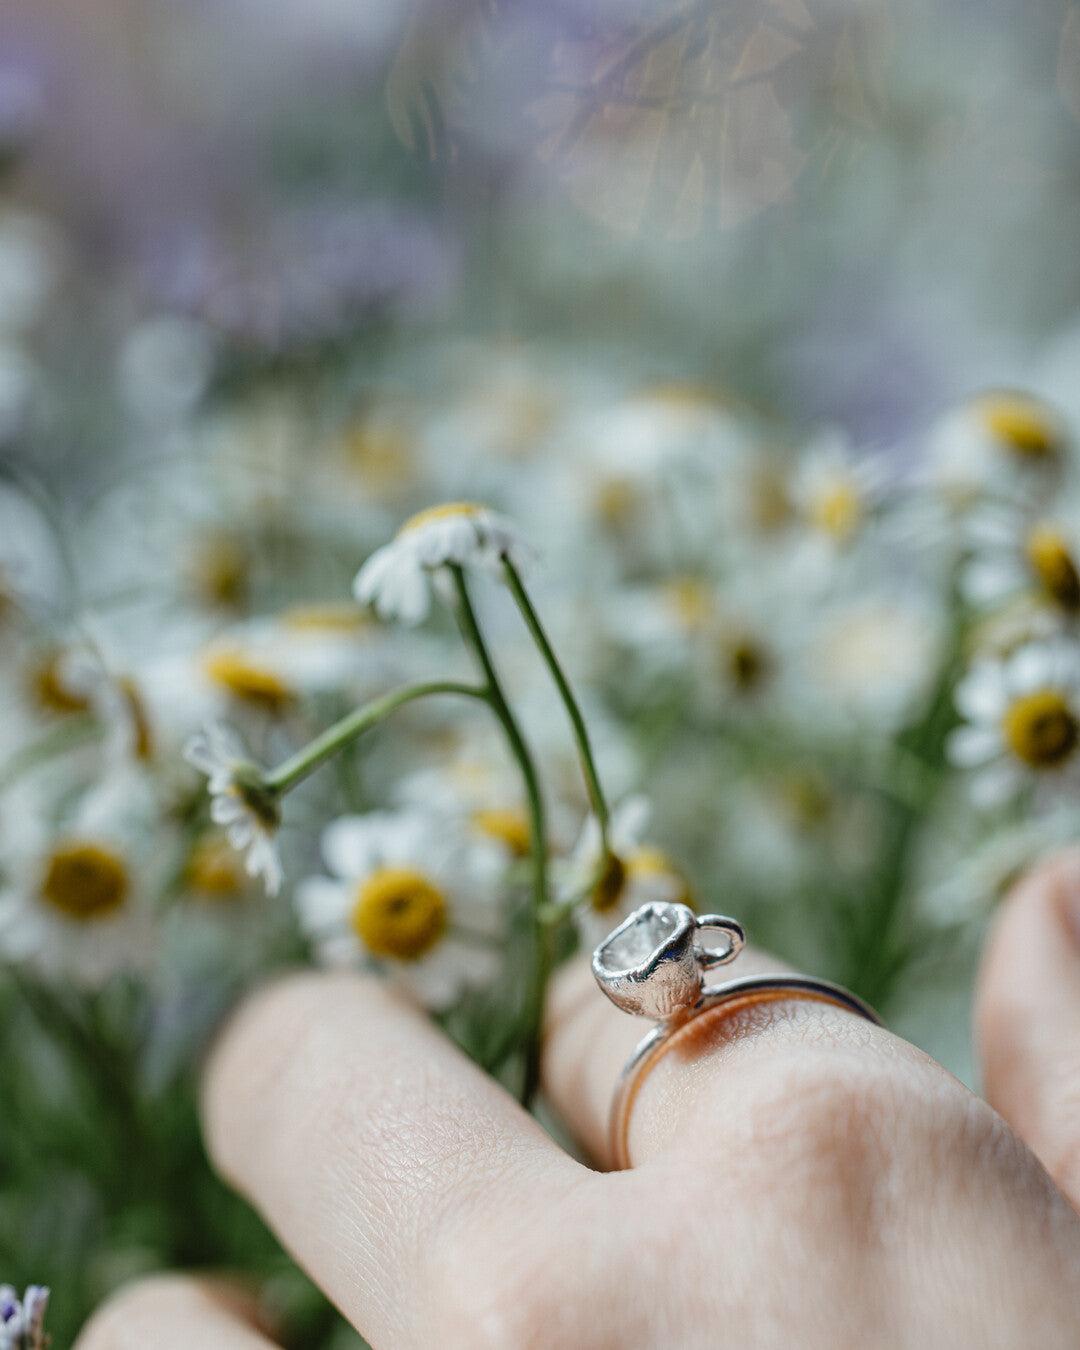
{"x":1027,"y":1016}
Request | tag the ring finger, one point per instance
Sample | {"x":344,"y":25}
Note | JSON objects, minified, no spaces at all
{"x":589,"y":1041}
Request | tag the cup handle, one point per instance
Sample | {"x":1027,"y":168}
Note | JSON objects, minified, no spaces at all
{"x":710,"y":957}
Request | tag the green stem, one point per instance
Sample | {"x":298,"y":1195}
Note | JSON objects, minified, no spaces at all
{"x":297,"y":767}
{"x":542,"y":964}
{"x":495,"y":694}
{"x":878,"y":950}
{"x":577,"y":721}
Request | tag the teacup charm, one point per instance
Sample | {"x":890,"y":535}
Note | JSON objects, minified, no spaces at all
{"x":653,"y":963}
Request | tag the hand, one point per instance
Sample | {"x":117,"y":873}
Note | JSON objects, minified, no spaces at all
{"x":800,"y":1177}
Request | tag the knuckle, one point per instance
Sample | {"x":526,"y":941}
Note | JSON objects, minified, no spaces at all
{"x":496,"y":1288}
{"x":492,"y":1304}
{"x":824,"y":1120}
{"x":849,"y":1131}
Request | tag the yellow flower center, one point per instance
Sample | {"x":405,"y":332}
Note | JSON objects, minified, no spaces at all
{"x":214,"y":870}
{"x":681,"y":394}
{"x":769,"y":500}
{"x":381,"y":455}
{"x":399,"y":914}
{"x":444,"y":512}
{"x":805,"y":799}
{"x":246,"y":681}
{"x":691,"y":602}
{"x":85,"y":881}
{"x":1022,"y":424}
{"x":616,"y":503}
{"x":509,"y":827}
{"x":647,"y":862}
{"x":837,"y":509}
{"x":221,"y":572}
{"x":1041,"y":729}
{"x":329,"y":618}
{"x":1049,"y":555}
{"x":608,"y":890}
{"x":52,"y":690}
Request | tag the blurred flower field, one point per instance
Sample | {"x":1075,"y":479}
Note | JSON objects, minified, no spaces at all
{"x":466,"y":471}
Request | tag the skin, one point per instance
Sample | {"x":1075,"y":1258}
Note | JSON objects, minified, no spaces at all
{"x":799,"y":1176}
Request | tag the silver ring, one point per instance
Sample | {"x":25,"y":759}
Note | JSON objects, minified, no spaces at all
{"x":653,"y":965}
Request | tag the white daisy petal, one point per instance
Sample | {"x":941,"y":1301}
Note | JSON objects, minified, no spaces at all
{"x":349,"y":845}
{"x":986,"y":580}
{"x":219,"y":753}
{"x":322,"y":905}
{"x":969,"y":746}
{"x":630,"y":821}
{"x":993,"y":786}
{"x":981,"y":696}
{"x":1031,"y":668}
{"x":397,"y":578}
{"x":340,"y":949}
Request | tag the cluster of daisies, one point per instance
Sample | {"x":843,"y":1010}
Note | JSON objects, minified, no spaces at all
{"x":1020,"y":575}
{"x":433,"y":765}
{"x":638,"y":650}
{"x":423,"y":891}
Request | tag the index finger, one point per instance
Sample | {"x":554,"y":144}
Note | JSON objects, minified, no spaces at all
{"x":374,"y":1148}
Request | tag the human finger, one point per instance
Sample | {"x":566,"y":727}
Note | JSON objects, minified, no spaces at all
{"x":171,"y":1312}
{"x":373,"y":1147}
{"x":1028,"y":1016}
{"x":589,"y":1041}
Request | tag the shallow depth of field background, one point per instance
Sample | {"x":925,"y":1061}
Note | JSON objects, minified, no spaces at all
{"x":276,"y":273}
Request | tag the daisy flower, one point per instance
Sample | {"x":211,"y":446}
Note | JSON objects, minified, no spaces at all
{"x":484,"y":792}
{"x":718,"y":638}
{"x":411,"y":895}
{"x":976,"y":869}
{"x":1022,"y":716}
{"x":999,"y":442}
{"x":869,"y":661}
{"x":662,"y":621}
{"x":395,"y":579}
{"x":214,"y":871}
{"x":1015,"y":553}
{"x":78,"y":894}
{"x":639,"y":477}
{"x":22,"y":1320}
{"x":633,"y":874}
{"x":272,"y":663}
{"x":504,"y":402}
{"x":239,"y":802}
{"x":48,"y":684}
{"x":835,"y":495}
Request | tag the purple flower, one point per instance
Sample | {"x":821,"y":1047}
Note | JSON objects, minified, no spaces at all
{"x":22,"y":1321}
{"x":312,"y":274}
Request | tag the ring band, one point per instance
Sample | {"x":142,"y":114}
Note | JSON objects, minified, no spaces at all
{"x":737,"y":995}
{"x":653,"y":965}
